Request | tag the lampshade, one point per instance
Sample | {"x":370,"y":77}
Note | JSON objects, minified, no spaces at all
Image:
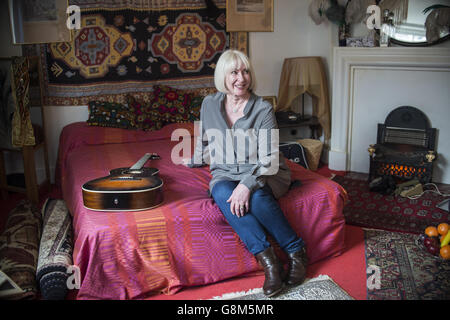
{"x":306,"y":75}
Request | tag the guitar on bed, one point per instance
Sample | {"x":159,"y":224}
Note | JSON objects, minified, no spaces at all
{"x":125,"y":189}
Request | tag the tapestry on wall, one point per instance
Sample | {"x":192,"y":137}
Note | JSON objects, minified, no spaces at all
{"x":129,"y":47}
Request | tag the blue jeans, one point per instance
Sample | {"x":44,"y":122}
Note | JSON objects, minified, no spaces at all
{"x":264,"y":214}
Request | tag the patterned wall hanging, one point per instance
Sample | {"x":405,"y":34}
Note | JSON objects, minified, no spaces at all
{"x":129,"y":46}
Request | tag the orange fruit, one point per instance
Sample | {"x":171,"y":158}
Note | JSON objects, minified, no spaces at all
{"x":445,"y":252}
{"x":442,"y":228}
{"x":431,"y":231}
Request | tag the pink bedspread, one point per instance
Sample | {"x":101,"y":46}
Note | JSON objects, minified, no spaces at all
{"x":184,"y":242}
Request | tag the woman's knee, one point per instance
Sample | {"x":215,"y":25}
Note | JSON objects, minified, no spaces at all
{"x":222,"y":190}
{"x":261,"y":197}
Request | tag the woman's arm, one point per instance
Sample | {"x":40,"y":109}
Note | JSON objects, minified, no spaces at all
{"x":200,"y":157}
{"x":268,"y":153}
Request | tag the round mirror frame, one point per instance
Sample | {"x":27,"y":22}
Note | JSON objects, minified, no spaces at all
{"x":419,"y":44}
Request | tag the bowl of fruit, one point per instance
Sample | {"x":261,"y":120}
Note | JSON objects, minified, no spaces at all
{"x":436,"y":241}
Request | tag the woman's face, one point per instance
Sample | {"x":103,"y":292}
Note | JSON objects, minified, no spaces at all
{"x":238,"y":80}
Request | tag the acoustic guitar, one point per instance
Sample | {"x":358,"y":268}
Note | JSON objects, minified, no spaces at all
{"x":125,"y":189}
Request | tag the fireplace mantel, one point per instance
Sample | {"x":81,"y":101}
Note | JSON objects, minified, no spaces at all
{"x":346,"y":63}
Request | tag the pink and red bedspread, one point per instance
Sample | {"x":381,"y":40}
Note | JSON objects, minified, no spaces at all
{"x":184,"y":242}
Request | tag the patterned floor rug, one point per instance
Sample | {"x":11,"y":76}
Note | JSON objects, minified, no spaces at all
{"x":319,"y":288}
{"x":400,"y":269}
{"x":374,"y":210}
{"x":55,"y":250}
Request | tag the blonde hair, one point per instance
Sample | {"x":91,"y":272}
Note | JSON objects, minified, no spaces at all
{"x":228,"y":61}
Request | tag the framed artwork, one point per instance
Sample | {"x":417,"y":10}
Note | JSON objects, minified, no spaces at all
{"x":38,"y":21}
{"x":250,"y":15}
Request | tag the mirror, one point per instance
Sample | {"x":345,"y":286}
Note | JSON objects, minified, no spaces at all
{"x":412,"y":31}
{"x":38,"y":21}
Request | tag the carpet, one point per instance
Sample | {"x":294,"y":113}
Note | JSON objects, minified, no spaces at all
{"x":374,"y":210}
{"x":406,"y":271}
{"x":55,"y":251}
{"x":319,"y":288}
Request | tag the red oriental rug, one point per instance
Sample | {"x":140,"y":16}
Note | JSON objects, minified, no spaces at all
{"x":374,"y":210}
{"x":405,"y":270}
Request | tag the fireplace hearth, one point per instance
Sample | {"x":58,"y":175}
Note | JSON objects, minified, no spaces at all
{"x":405,"y":147}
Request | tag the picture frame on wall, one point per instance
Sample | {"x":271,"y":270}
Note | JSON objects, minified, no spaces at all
{"x":250,"y":15}
{"x":39,"y":21}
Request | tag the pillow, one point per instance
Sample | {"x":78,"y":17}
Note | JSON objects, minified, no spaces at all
{"x":202,"y":92}
{"x":110,"y":114}
{"x":144,"y":119}
{"x":170,"y":105}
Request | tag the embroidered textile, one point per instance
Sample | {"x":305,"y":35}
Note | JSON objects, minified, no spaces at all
{"x":127,"y":47}
{"x":22,"y":129}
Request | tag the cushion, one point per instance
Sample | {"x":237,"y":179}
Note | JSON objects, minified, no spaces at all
{"x":170,"y":105}
{"x":202,"y":92}
{"x":144,"y":119}
{"x":110,"y":114}
{"x":194,"y":110}
{"x":19,"y":247}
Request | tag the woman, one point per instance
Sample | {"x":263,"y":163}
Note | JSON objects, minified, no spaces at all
{"x":239,"y":132}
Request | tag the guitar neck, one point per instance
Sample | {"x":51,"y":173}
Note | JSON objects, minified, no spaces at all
{"x":138,"y":165}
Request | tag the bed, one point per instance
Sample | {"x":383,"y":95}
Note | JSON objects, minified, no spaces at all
{"x":185,"y":241}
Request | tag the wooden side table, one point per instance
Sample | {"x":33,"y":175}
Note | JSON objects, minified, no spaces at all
{"x":312,"y":123}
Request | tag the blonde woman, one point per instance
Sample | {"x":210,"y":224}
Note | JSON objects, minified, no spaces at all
{"x":248,"y":175}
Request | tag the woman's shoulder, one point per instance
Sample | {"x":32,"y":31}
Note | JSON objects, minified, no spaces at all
{"x":212,"y":99}
{"x":215,"y":96}
{"x":262,"y":105}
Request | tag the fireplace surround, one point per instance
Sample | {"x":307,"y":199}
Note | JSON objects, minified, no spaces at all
{"x":396,"y":76}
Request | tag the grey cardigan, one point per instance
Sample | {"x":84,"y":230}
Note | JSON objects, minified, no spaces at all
{"x":245,"y":152}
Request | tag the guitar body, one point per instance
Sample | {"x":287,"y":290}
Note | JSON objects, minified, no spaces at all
{"x":124,"y":189}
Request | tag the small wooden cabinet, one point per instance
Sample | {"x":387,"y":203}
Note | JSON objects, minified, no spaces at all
{"x":285,"y":124}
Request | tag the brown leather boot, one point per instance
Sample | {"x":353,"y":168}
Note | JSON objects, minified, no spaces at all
{"x":273,"y":270}
{"x":297,"y":263}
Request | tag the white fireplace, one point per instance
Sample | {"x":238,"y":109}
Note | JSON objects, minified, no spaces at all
{"x":368,"y":83}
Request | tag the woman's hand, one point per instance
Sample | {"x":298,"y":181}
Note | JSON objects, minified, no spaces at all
{"x":239,"y":200}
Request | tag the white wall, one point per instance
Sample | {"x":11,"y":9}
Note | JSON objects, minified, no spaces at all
{"x":295,"y":35}
{"x":56,"y":118}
